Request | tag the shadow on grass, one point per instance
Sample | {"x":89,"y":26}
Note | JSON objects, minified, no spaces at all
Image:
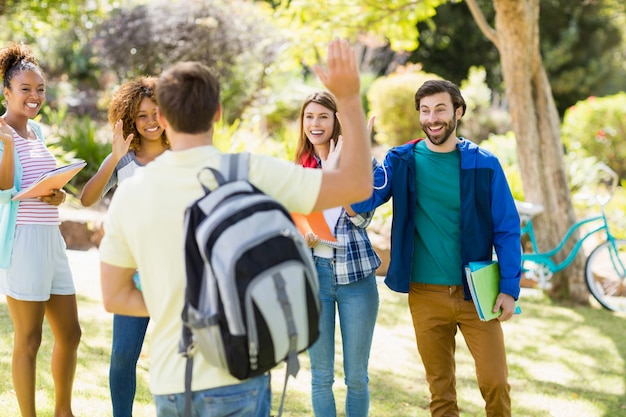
{"x":567,"y":361}
{"x":563,"y":362}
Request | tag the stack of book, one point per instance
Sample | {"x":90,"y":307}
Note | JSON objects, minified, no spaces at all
{"x":483,"y":279}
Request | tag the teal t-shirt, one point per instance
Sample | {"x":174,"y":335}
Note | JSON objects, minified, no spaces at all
{"x":437,"y":234}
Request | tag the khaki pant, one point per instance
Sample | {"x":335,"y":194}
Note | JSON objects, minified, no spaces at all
{"x":437,"y":311}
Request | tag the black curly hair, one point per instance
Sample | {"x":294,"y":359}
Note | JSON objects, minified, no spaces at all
{"x":14,"y":59}
{"x":125,"y":104}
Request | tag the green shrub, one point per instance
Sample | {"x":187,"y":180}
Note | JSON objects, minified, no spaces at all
{"x":251,"y":137}
{"x":77,"y":137}
{"x":615,"y":210}
{"x":236,"y":39}
{"x":597,"y":127}
{"x":505,"y":148}
{"x":584,"y":175}
{"x":392,"y":100}
{"x":280,"y":103}
{"x":485,"y":115}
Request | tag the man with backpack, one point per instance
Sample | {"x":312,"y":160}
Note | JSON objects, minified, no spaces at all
{"x":150,"y":236}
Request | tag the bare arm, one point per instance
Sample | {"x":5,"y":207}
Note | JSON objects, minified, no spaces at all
{"x":119,"y":292}
{"x":92,"y":191}
{"x":7,"y":164}
{"x":352,"y":180}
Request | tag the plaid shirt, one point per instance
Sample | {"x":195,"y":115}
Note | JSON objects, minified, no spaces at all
{"x":355,"y":258}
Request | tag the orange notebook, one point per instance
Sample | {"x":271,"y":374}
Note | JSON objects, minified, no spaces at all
{"x":51,"y":180}
{"x":315,"y":223}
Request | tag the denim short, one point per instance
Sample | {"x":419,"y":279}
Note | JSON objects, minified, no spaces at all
{"x":39,"y":265}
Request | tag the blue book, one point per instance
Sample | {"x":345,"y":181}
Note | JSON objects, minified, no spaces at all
{"x":483,"y":279}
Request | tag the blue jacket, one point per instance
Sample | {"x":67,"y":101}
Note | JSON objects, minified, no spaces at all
{"x":489,"y":219}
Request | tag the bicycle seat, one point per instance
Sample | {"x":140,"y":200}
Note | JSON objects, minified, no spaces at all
{"x":527,"y":209}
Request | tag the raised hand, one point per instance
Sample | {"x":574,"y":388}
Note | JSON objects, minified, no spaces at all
{"x":352,"y":180}
{"x":342,"y":75}
{"x":120,"y":145}
{"x":6,"y":133}
{"x":332,"y":159}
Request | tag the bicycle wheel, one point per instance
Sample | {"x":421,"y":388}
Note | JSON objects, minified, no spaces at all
{"x":605,"y":275}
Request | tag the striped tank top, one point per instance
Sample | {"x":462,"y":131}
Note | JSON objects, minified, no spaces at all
{"x":35,"y":159}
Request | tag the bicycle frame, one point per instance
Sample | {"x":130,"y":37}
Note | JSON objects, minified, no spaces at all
{"x":545,"y":258}
{"x":545,"y":265}
{"x":605,"y":284}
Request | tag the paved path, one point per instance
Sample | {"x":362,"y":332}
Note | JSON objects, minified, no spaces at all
{"x":86,"y":271}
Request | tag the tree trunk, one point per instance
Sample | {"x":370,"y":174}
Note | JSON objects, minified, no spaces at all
{"x":537,"y":129}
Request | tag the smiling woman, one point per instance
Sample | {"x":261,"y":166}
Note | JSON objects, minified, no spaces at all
{"x":137,"y":140}
{"x":35,"y":273}
{"x":346,"y":271}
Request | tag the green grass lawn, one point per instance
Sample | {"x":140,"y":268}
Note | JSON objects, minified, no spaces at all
{"x":563,"y":362}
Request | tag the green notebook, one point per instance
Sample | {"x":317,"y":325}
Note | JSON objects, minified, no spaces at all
{"x":483,"y":279}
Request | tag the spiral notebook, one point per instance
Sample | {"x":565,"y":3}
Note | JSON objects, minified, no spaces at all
{"x":315,"y":223}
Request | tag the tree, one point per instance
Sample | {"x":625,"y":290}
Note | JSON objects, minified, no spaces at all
{"x":534,"y":115}
{"x":58,"y":32}
{"x":580,"y":45}
{"x":537,"y":128}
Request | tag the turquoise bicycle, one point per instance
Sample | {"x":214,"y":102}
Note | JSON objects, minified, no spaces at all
{"x":605,"y":268}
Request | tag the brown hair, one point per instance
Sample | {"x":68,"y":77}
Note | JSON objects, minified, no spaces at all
{"x":14,"y":59}
{"x":125,"y":104}
{"x":188,"y":96}
{"x":432,"y":87}
{"x":304,"y":146}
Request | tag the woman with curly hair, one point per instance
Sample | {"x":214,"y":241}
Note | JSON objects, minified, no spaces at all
{"x":35,"y":273}
{"x":137,"y":140}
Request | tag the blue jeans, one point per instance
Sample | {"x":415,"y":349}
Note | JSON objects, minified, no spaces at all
{"x":357,"y":304}
{"x":128,"y":335}
{"x":251,"y":398}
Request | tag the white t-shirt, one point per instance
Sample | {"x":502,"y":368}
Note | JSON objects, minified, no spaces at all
{"x":144,"y":230}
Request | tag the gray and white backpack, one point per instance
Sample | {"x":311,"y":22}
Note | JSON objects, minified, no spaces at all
{"x":251,"y":297}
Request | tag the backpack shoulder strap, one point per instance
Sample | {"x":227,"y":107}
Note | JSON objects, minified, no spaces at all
{"x":235,"y":166}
